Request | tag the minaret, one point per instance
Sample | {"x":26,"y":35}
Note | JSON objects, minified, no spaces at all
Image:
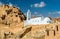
{"x":28,"y":15}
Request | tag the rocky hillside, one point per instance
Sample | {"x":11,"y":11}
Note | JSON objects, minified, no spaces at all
{"x":11,"y":21}
{"x":10,"y":15}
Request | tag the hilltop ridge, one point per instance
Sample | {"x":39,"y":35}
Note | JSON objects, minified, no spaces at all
{"x":10,"y":15}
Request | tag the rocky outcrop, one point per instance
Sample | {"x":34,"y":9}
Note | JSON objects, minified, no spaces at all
{"x":11,"y":22}
{"x":10,"y":15}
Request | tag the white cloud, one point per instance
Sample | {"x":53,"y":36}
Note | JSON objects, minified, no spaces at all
{"x":1,"y":3}
{"x":56,"y":12}
{"x":10,"y":4}
{"x":36,"y":5}
{"x":31,"y":5}
{"x":41,"y":4}
{"x":35,"y":12}
{"x":49,"y":13}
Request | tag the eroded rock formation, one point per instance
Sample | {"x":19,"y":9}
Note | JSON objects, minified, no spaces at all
{"x":11,"y":21}
{"x":10,"y":15}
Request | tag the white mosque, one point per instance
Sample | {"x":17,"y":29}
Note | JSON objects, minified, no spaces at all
{"x":37,"y":20}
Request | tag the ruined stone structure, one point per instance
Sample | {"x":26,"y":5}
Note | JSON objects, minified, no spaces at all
{"x":53,"y":33}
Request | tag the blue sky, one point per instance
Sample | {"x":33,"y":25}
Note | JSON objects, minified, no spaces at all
{"x":37,"y":7}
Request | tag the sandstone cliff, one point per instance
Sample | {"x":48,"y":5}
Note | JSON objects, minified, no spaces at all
{"x":10,"y":15}
{"x":11,"y":21}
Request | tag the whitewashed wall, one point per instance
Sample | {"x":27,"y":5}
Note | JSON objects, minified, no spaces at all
{"x":38,"y":20}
